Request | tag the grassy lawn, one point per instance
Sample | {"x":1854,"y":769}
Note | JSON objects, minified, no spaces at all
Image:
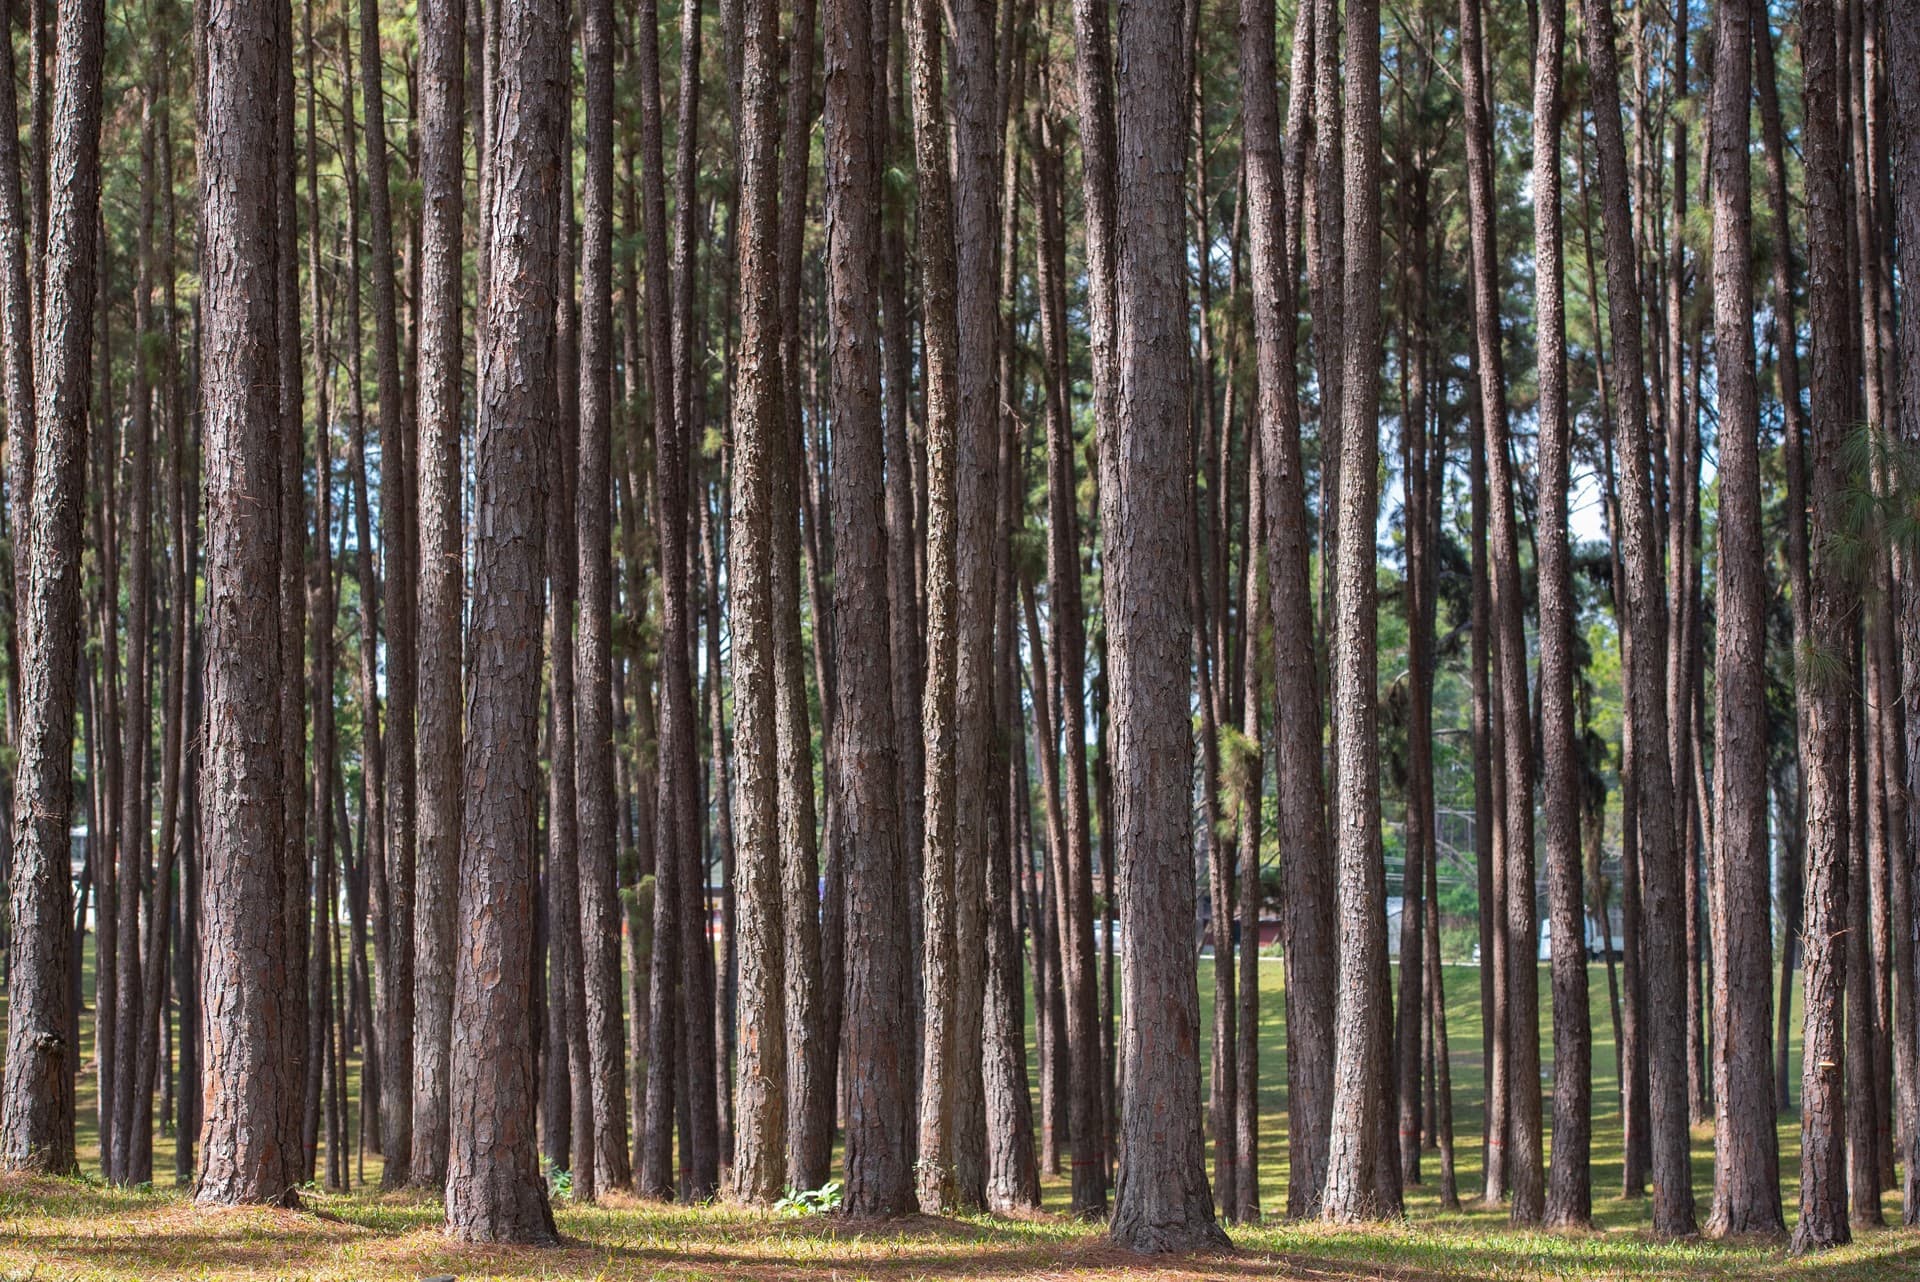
{"x":80,"y":1229}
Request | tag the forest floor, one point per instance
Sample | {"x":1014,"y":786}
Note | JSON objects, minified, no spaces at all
{"x":81,"y":1229}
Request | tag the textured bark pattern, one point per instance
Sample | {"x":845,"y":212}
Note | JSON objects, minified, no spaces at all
{"x":296,"y":889}
{"x":875,"y":1039}
{"x":977,"y":130}
{"x":1307,"y":917}
{"x":1521,"y":1080}
{"x":709,"y":1112}
{"x":1822,"y":672}
{"x":934,"y":1162}
{"x":593,"y":655}
{"x":442,"y":578}
{"x":244,"y":963}
{"x":1359,"y":887}
{"x":495,"y":1192}
{"x":1903,"y":68}
{"x":1073,"y":852}
{"x":760,"y":1120}
{"x":1569,"y":1194}
{"x":16,"y":331}
{"x":36,"y":1117}
{"x":396,"y":600}
{"x":1746,"y":1181}
{"x":1162,"y":1201}
{"x":1664,"y":963}
{"x":1903,"y":63}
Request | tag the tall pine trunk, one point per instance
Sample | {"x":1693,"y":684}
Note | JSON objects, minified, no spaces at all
{"x":495,"y":1192}
{"x":244,"y":930}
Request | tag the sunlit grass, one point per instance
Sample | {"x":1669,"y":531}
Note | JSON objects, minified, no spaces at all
{"x":82,"y":1229}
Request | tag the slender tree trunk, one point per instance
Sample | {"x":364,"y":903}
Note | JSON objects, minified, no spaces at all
{"x":1660,"y":863}
{"x":17,"y":315}
{"x":1520,"y":1082}
{"x":494,"y":1189}
{"x":1073,"y":854}
{"x":397,"y":1013}
{"x":1903,"y":71}
{"x":134,"y":824}
{"x":1307,"y":917}
{"x":297,"y":894}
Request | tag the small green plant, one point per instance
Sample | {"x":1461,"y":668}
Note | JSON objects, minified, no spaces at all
{"x":559,"y":1182}
{"x":799,"y":1202}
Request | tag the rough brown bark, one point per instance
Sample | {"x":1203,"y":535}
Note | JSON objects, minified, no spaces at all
{"x":1821,"y":669}
{"x":1359,"y":885}
{"x":16,"y":330}
{"x":1569,"y":1195}
{"x":1307,"y":919}
{"x":397,"y":588}
{"x":244,"y":930}
{"x":1746,"y":1185}
{"x":1520,"y":1082}
{"x":593,"y":665}
{"x":494,"y":1189}
{"x":296,"y":892}
{"x":879,"y":1174}
{"x":1073,"y":854}
{"x":36,"y":1128}
{"x":1661,"y":868}
{"x":934,"y":1165}
{"x":1162,"y":1201}
{"x":1903,"y":70}
{"x":134,"y":802}
{"x":442,"y":577}
{"x":760,"y":1130}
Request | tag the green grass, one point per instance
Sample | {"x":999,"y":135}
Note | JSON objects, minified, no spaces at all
{"x":81,"y":1229}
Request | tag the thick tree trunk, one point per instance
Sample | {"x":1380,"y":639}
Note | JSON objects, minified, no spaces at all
{"x":935,"y":1162}
{"x":1569,"y":1193}
{"x":442,"y":578}
{"x":244,"y":961}
{"x":1823,"y":666}
{"x":494,"y":1189}
{"x":760,"y":1132}
{"x":1746,"y":1184}
{"x":879,"y":1173}
{"x":1360,"y":1052}
{"x":37,"y":1115}
{"x":1162,"y":1202}
{"x":593,"y":655}
{"x":809,"y":1070}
